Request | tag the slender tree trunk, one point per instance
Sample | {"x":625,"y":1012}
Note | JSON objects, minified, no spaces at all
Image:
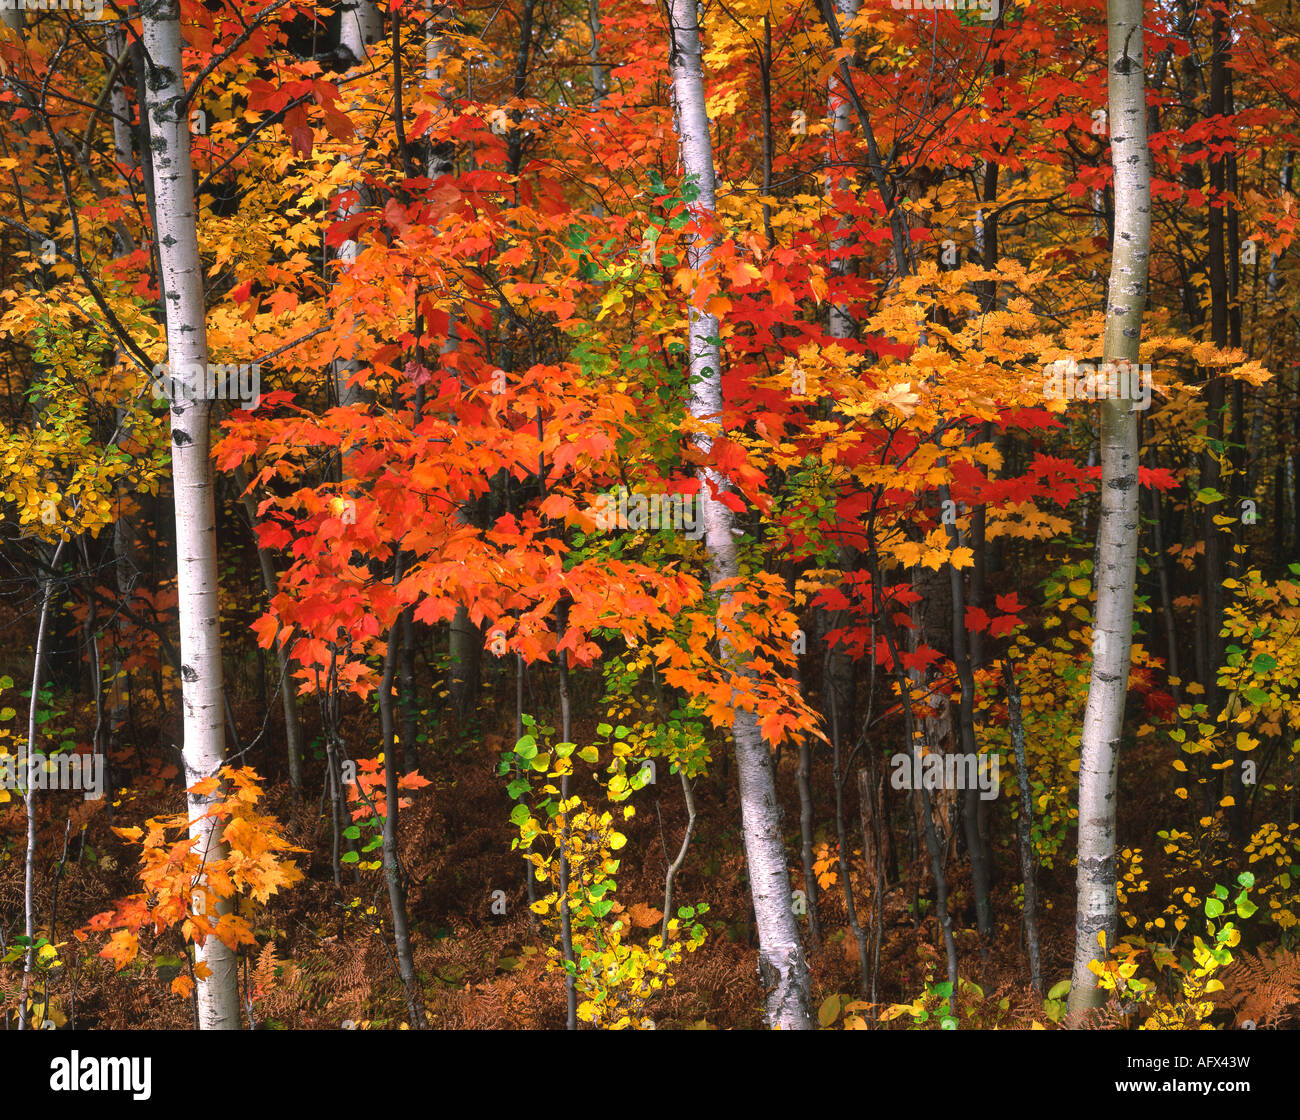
{"x":130,"y":515}
{"x":196,"y":529}
{"x":976,"y":846}
{"x":670,"y":877}
{"x":803,"y":778}
{"x":1117,"y":532}
{"x":393,"y":875}
{"x":842,"y":843}
{"x":288,"y":698}
{"x":566,"y":809}
{"x":515,"y":141}
{"x":359,"y":28}
{"x":782,"y":966}
{"x":599,"y":86}
{"x":841,"y":114}
{"x":1027,"y":868}
{"x":29,"y":860}
{"x":1216,"y":463}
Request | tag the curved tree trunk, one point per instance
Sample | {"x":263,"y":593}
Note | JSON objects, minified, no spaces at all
{"x":1117,"y":531}
{"x":780,"y":955}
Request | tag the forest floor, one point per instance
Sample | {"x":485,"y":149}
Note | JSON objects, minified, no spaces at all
{"x":325,"y":956}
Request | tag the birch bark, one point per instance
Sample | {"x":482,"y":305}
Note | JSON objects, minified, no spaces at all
{"x":1117,"y":530}
{"x":196,"y":530}
{"x":782,"y":966}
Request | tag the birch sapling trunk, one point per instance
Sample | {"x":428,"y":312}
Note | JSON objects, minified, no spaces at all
{"x":599,"y":86}
{"x":782,"y":966}
{"x":1117,"y":530}
{"x":29,"y":860}
{"x":840,"y":669}
{"x":359,"y":27}
{"x":841,"y":114}
{"x":196,"y":529}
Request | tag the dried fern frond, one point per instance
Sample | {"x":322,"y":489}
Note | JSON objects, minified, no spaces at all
{"x":1262,"y":988}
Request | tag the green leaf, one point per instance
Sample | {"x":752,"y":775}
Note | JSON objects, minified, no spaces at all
{"x":1263,"y":663}
{"x":1213,"y":907}
{"x":1246,"y":879}
{"x":352,"y":832}
{"x":1059,"y":990}
{"x":519,"y":814}
{"x":349,"y":857}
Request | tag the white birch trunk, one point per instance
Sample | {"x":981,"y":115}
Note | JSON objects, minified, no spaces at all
{"x":1117,"y":530}
{"x":839,"y":672}
{"x":841,"y":114}
{"x":196,"y":531}
{"x":599,"y":86}
{"x":781,"y":961}
{"x":360,"y":27}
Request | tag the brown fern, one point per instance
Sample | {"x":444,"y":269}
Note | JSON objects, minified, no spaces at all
{"x":1263,"y":988}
